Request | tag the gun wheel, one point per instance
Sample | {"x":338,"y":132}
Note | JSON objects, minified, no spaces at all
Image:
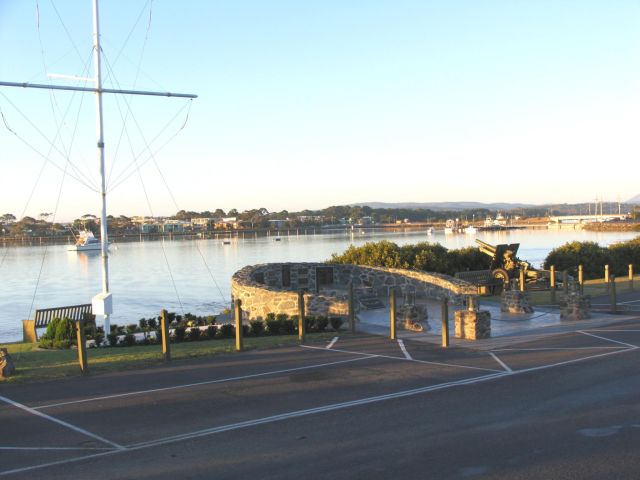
{"x":502,"y":274}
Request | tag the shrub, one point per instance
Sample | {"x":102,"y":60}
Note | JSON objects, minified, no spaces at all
{"x":273,"y":326}
{"x":129,"y":340}
{"x":211,"y":320}
{"x":112,"y":338}
{"x":194,"y":334}
{"x":336,"y":323}
{"x":152,"y":323}
{"x":310,"y":323}
{"x":65,"y":331}
{"x":131,"y":328}
{"x":227,"y":330}
{"x":143,"y":323}
{"x":179,"y":333}
{"x":590,"y":255}
{"x":288,"y":326}
{"x":257,"y":327}
{"x":211,"y":332}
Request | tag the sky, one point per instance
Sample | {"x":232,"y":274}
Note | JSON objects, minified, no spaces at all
{"x":317,"y":103}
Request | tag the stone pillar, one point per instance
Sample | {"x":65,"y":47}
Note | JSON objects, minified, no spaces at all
{"x":575,"y":306}
{"x":473,"y":324}
{"x":515,"y":301}
{"x":7,"y":368}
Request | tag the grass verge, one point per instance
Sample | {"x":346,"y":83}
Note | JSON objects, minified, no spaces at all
{"x":33,"y":364}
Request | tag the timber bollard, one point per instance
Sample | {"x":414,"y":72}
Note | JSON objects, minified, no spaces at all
{"x":82,"y":347}
{"x":614,"y":300}
{"x":238,"y":318}
{"x":352,"y":313}
{"x":552,"y":283}
{"x":630,"y":276}
{"x":521,"y":280}
{"x":606,"y":277}
{"x":301,"y":316}
{"x":581,"y":278}
{"x":565,"y":282}
{"x":164,"y":331}
{"x":445,"y":322}
{"x":392,"y":313}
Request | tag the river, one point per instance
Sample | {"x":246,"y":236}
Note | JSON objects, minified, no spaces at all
{"x":194,"y":275}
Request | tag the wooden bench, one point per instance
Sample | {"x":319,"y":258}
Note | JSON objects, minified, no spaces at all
{"x":483,"y":279}
{"x":44,"y":316}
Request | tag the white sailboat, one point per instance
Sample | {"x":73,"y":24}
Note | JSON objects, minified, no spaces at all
{"x":102,"y":303}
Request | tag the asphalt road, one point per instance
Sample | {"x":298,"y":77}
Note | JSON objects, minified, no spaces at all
{"x":566,"y":406}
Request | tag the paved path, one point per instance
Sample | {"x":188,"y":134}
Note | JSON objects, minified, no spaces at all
{"x":564,"y":406}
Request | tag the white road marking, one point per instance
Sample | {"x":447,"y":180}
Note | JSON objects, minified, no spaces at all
{"x":402,"y":359}
{"x":60,"y":422}
{"x":504,"y":365}
{"x":611,"y":330}
{"x":197,"y":384}
{"x":553,"y":348}
{"x":404,"y":350}
{"x":607,"y":339}
{"x":300,"y":413}
{"x":332,"y":342}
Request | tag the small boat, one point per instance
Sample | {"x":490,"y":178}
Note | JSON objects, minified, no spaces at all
{"x":85,"y":242}
{"x":277,"y":239}
{"x":430,"y":231}
{"x":226,"y":242}
{"x":471,"y":229}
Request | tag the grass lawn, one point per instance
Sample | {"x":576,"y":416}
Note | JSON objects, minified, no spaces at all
{"x":594,"y":288}
{"x":33,"y":364}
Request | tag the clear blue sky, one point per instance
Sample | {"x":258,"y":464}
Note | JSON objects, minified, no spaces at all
{"x":308,"y":104}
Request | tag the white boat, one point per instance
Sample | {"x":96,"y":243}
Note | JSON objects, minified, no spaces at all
{"x":471,"y":230}
{"x":430,"y":231}
{"x":86,"y":242}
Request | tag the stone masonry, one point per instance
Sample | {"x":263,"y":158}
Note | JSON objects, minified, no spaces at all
{"x":515,"y":301}
{"x":273,"y":287}
{"x":575,"y":306}
{"x":472,"y":324}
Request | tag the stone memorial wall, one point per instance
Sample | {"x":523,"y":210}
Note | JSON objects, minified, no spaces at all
{"x":273,"y":287}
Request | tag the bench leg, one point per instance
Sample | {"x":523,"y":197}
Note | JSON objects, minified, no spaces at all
{"x":29,"y":334}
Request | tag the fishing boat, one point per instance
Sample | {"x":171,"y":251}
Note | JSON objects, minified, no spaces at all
{"x":86,"y":242}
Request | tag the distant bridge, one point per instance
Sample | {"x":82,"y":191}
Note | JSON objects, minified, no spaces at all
{"x":587,"y":218}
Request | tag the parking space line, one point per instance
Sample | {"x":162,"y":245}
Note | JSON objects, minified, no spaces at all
{"x":197,"y":384}
{"x":404,"y":350}
{"x":61,"y":422}
{"x":312,"y":411}
{"x":332,"y":342}
{"x":542,"y":349}
{"x":504,"y":365}
{"x":607,"y":339}
{"x":403,"y":359}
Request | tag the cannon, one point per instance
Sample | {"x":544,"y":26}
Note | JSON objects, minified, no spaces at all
{"x":504,"y":263}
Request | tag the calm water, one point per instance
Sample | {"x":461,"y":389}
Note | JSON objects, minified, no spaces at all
{"x":194,"y":275}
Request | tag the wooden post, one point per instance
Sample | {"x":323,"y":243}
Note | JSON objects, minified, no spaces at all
{"x":164,"y":331}
{"x":445,"y":322}
{"x":552,"y":283}
{"x":301,"y":315}
{"x":630,"y":276}
{"x":606,"y":278}
{"x":392,"y":313}
{"x":581,"y":278}
{"x":565,"y":282}
{"x":352,"y":312}
{"x":238,"y":317}
{"x":614,"y":300}
{"x":82,"y":347}
{"x":521,"y":280}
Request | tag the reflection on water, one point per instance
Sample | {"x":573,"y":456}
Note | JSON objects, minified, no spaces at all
{"x":194,"y":275}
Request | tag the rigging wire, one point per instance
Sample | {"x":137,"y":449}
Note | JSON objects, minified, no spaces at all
{"x":166,"y":184}
{"x":85,"y":182}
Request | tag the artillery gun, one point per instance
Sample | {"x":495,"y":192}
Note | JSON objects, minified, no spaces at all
{"x":505,"y":265}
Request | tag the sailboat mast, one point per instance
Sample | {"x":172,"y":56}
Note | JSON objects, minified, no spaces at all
{"x":100,"y":131}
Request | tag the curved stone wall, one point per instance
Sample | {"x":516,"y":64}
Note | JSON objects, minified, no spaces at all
{"x":273,"y":287}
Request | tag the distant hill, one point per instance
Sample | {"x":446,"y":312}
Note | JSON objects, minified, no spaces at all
{"x":634,"y":200}
{"x":450,"y":206}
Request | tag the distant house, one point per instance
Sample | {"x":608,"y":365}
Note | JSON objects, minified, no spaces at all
{"x":227,"y":223}
{"x":366,"y":221}
{"x":174,"y":226}
{"x":203,"y":223}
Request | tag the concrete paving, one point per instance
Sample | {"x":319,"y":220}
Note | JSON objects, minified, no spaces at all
{"x":560,"y":406}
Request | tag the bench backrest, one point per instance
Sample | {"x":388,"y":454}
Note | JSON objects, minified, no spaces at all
{"x":74,"y":312}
